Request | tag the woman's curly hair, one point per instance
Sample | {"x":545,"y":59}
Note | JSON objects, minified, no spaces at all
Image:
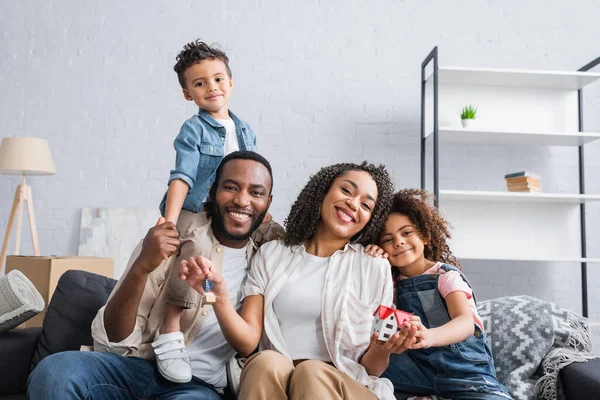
{"x":428,"y":222}
{"x":302,"y":221}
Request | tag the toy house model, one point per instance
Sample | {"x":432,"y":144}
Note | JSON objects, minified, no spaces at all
{"x":387,"y":321}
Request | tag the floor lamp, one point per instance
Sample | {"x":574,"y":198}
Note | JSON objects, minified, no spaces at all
{"x":23,"y":156}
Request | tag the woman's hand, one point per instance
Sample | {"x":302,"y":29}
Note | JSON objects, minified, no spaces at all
{"x":196,"y":269}
{"x":398,"y":343}
{"x":377,"y":357}
{"x":375,"y":251}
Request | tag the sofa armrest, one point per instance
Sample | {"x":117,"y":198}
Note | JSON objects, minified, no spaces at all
{"x":581,"y":380}
{"x":16,"y":350}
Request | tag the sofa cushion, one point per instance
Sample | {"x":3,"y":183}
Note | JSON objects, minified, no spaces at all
{"x":16,"y":351}
{"x":75,"y":302}
{"x":581,"y":380}
{"x":19,"y":396}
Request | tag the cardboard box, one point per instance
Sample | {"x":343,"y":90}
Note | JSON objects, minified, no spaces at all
{"x":44,"y":273}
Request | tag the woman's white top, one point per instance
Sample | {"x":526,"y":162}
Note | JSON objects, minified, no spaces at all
{"x":355,"y":285}
{"x":298,"y":309}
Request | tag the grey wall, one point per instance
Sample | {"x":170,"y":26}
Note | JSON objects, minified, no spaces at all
{"x":320,"y":81}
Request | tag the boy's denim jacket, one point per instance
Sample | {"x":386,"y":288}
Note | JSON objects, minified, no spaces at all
{"x":200,"y":149}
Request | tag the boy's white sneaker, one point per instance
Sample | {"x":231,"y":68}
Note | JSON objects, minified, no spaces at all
{"x":172,"y":358}
{"x":234,"y":374}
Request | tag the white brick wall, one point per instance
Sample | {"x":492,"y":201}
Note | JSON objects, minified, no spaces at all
{"x":320,"y":81}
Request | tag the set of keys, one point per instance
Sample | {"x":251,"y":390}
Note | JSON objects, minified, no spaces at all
{"x":208,"y":297}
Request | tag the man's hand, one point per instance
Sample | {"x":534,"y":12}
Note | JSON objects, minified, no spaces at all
{"x":159,"y":244}
{"x":121,"y":310}
{"x":196,"y":269}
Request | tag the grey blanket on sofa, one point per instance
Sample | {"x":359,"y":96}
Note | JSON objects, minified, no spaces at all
{"x":531,"y":340}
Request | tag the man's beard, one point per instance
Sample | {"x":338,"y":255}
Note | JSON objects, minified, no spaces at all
{"x":219,"y":225}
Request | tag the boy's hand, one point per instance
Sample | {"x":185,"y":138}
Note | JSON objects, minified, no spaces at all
{"x":159,"y":244}
{"x":375,"y":251}
{"x":196,"y":269}
{"x":267,"y":219}
{"x":398,"y":343}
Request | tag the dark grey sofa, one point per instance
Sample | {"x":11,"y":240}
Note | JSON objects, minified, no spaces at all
{"x":78,"y":297}
{"x":75,"y":302}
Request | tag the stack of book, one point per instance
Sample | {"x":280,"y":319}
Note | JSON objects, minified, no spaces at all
{"x":523,"y":182}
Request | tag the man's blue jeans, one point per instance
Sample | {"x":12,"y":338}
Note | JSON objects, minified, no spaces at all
{"x":99,"y":376}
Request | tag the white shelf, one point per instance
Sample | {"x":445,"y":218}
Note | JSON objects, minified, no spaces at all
{"x":549,"y":259}
{"x":516,"y":197}
{"x":488,"y":136}
{"x":566,"y":80}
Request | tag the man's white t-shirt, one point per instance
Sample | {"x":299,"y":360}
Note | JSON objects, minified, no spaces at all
{"x":298,"y":307}
{"x":231,"y":142}
{"x":209,"y":351}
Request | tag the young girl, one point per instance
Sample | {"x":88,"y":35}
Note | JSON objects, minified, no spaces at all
{"x":450,"y":357}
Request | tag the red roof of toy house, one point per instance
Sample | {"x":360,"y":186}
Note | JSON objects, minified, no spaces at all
{"x":384,"y":312}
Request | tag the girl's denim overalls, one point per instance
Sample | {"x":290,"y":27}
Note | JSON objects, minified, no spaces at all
{"x":459,"y":371}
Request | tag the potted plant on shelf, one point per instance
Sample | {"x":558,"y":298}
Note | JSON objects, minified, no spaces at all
{"x":467,"y":116}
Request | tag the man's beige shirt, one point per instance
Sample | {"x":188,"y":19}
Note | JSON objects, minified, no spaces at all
{"x":152,"y":304}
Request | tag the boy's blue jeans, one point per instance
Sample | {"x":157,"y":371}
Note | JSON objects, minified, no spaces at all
{"x":91,"y":375}
{"x":463,"y":370}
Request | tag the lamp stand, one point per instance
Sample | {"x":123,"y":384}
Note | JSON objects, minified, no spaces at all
{"x":22,"y":195}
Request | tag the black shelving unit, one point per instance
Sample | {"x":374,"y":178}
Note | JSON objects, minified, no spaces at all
{"x":432,"y":57}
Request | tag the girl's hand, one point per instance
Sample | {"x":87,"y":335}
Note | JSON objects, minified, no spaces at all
{"x":398,"y":343}
{"x":375,"y":251}
{"x":196,"y":269}
{"x":424,"y":337}
{"x":416,"y":321}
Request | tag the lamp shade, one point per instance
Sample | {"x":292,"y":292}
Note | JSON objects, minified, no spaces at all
{"x":29,"y":156}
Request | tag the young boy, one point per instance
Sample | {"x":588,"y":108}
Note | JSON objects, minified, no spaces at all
{"x":205,"y":78}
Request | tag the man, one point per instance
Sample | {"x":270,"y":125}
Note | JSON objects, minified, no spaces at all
{"x":129,"y":322}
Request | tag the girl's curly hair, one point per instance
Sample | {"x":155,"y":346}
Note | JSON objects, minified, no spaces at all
{"x":301,"y":223}
{"x":428,"y":222}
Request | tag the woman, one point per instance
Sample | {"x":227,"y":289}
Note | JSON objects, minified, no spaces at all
{"x":316,"y":292}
